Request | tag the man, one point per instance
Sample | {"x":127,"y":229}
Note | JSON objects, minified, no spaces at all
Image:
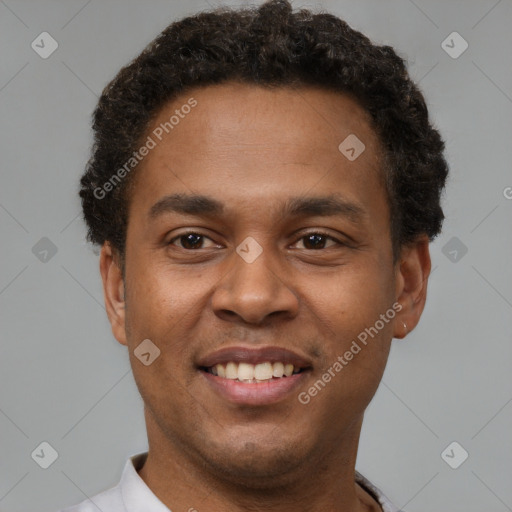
{"x":264,"y":185}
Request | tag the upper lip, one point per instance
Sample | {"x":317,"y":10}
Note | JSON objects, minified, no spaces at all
{"x":252,"y":355}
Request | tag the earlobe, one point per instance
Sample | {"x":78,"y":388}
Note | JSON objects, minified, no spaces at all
{"x":412,"y":273}
{"x":113,"y":291}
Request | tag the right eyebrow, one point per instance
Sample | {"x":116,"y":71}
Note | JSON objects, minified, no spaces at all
{"x":187,"y":204}
{"x":321,"y":206}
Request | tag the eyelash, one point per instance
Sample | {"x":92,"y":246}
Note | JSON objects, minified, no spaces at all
{"x":321,"y":233}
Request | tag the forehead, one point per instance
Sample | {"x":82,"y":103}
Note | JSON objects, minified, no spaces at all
{"x":248,"y":144}
{"x":253,"y":117}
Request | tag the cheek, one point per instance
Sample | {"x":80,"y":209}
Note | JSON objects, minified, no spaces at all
{"x":155,"y":297}
{"x":159,"y":309}
{"x":352,"y":298}
{"x":166,"y":306}
{"x":354,"y":310}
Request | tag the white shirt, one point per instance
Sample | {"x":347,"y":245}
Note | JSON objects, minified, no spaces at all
{"x":132,"y":494}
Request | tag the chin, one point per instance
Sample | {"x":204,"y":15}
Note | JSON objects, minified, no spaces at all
{"x":256,"y":464}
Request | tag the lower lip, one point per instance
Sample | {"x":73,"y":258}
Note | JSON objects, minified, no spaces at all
{"x":262,"y":393}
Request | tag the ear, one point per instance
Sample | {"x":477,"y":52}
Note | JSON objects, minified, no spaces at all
{"x":113,"y":291}
{"x":412,"y":272}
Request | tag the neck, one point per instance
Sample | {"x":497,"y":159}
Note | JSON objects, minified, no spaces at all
{"x":326,"y":482}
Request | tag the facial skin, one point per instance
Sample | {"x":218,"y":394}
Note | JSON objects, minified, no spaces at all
{"x":254,"y":149}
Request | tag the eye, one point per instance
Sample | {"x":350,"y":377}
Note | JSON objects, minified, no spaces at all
{"x":190,"y":240}
{"x":314,"y":240}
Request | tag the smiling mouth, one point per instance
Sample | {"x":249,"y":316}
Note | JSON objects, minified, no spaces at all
{"x":253,"y":373}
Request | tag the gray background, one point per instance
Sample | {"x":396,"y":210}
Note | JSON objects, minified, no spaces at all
{"x":66,"y":381}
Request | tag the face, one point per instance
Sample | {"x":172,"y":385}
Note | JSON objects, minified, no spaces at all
{"x":285,"y":259}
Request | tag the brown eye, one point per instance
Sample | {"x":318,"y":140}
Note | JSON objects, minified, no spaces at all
{"x":189,"y":241}
{"x":317,"y":240}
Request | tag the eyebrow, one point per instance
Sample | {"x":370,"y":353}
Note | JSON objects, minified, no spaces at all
{"x":200,"y":205}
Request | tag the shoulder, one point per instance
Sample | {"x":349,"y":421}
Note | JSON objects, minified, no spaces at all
{"x":376,"y":493}
{"x":130,"y":489}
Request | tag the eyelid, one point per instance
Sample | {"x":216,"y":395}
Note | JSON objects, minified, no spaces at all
{"x":298,"y":235}
{"x":190,"y":232}
{"x":321,"y":233}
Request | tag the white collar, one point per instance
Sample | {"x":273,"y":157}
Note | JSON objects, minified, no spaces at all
{"x":137,"y":496}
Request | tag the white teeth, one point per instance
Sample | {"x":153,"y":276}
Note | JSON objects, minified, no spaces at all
{"x":246,"y":372}
{"x":263,"y":371}
{"x":231,"y":371}
{"x":278,"y":370}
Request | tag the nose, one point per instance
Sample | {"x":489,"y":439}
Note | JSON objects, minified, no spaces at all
{"x":253,"y":291}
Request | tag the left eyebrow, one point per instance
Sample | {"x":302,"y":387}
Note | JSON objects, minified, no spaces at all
{"x":324,"y":206}
{"x":205,"y":206}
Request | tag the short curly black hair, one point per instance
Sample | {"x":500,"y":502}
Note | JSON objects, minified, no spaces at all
{"x":271,"y":46}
